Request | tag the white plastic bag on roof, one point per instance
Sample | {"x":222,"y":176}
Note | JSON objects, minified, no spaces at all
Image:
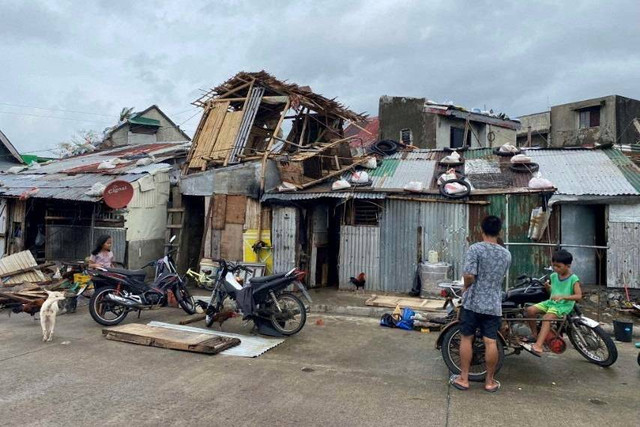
{"x":448,"y":175}
{"x":414,"y":186}
{"x":34,"y":165}
{"x":146,"y":161}
{"x":454,"y":188}
{"x":371,"y":163}
{"x":340,"y":184}
{"x":360,"y":177}
{"x":15,"y":169}
{"x":454,"y":157}
{"x":96,"y":190}
{"x":539,"y":182}
{"x":106,"y":164}
{"x":508,"y":148}
{"x":520,"y":158}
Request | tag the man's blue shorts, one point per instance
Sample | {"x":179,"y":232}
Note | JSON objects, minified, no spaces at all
{"x":488,"y":324}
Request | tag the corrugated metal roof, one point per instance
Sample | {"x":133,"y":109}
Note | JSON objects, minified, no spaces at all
{"x":629,"y":169}
{"x":58,"y":186}
{"x":584,"y":172}
{"x":332,"y":195}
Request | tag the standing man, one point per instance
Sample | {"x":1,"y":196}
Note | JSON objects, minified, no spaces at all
{"x":485,"y":267}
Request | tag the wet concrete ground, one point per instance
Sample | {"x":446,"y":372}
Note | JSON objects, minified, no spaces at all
{"x":349,"y":372}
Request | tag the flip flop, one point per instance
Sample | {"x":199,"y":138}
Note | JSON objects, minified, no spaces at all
{"x":452,"y":381}
{"x":530,"y":349}
{"x":530,"y":339}
{"x":493,"y":389}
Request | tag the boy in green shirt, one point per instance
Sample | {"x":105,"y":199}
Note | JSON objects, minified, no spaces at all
{"x":565,"y":291}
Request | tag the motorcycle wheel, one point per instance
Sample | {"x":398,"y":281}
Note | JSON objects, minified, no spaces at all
{"x":451,"y":354}
{"x":100,"y":309}
{"x":593,"y":344}
{"x":293,"y":316}
{"x":186,"y":301}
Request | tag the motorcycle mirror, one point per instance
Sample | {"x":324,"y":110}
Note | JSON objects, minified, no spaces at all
{"x":172,"y":238}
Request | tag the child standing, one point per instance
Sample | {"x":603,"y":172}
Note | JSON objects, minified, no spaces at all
{"x":565,"y":291}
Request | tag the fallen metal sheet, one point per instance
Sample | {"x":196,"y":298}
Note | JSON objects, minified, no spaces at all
{"x":249,"y":346}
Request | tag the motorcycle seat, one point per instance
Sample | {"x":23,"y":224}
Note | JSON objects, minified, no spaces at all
{"x":265,"y":279}
{"x":509,"y":304}
{"x":130,"y":273}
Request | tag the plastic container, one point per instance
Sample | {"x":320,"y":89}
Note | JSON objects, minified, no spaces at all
{"x":431,"y":274}
{"x":622,"y":331}
{"x":433,"y":257}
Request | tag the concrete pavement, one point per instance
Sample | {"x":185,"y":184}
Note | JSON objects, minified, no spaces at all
{"x":349,"y":372}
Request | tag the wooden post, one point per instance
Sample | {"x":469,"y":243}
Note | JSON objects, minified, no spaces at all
{"x":529,"y":136}
{"x":264,"y":162}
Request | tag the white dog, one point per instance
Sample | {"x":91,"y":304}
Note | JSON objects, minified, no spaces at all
{"x":48,"y":313}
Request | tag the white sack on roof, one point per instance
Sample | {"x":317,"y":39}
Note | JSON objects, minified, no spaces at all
{"x":371,"y":163}
{"x":106,"y":164}
{"x":414,"y":186}
{"x":96,"y":190}
{"x":508,"y":148}
{"x":520,"y":158}
{"x":145,"y":161}
{"x":16,"y":169}
{"x":539,"y":182}
{"x":340,"y":184}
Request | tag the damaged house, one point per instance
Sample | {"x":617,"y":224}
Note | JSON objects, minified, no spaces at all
{"x":58,"y":209}
{"x":257,"y":133}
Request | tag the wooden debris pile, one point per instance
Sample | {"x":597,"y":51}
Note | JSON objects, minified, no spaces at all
{"x":22,"y":283}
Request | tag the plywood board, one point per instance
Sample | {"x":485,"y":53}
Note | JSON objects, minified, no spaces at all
{"x":218,"y":212}
{"x":252,"y":214}
{"x":413,"y":303}
{"x":231,"y":245}
{"x":216,"y":241}
{"x":20,"y":261}
{"x":205,"y":141}
{"x":227,"y":136}
{"x":167,"y":338}
{"x":236,"y":208}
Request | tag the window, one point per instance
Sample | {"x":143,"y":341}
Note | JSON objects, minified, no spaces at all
{"x":362,"y":212}
{"x":589,"y":117}
{"x":457,"y":138}
{"x":406,"y":136}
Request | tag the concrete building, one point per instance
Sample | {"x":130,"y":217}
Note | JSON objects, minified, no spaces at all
{"x":144,"y":127}
{"x":429,"y":125}
{"x":587,"y":123}
{"x":534,"y":130}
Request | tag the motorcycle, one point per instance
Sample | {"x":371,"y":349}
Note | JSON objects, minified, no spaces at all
{"x":263,"y":300}
{"x":585,"y":334}
{"x":118,"y":292}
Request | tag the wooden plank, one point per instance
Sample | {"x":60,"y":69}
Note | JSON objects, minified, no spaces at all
{"x":231,"y":242}
{"x":216,"y":241}
{"x":236,"y":209}
{"x":167,"y":338}
{"x":20,"y":261}
{"x":413,"y":303}
{"x":206,"y":138}
{"x":218,"y":211}
{"x":226,"y":136}
{"x":193,"y":318}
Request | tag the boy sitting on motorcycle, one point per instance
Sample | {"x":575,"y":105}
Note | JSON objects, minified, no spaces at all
{"x":565,"y":291}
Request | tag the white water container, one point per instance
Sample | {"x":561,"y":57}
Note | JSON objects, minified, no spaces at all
{"x":433,"y":257}
{"x":432,"y":274}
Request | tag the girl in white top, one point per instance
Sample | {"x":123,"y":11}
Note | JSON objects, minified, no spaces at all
{"x":102,"y":256}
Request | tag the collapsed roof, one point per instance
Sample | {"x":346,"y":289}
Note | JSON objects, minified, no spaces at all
{"x":243,"y":121}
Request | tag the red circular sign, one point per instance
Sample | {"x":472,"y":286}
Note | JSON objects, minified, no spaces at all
{"x":118,"y":194}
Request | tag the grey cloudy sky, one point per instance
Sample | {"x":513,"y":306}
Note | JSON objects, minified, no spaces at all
{"x":94,"y":57}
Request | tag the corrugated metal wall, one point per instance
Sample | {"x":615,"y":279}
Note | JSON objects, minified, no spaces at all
{"x":623,"y":255}
{"x":360,"y":252}
{"x":405,"y":225}
{"x":284,"y":232}
{"x":528,"y":259}
{"x":73,"y":243}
